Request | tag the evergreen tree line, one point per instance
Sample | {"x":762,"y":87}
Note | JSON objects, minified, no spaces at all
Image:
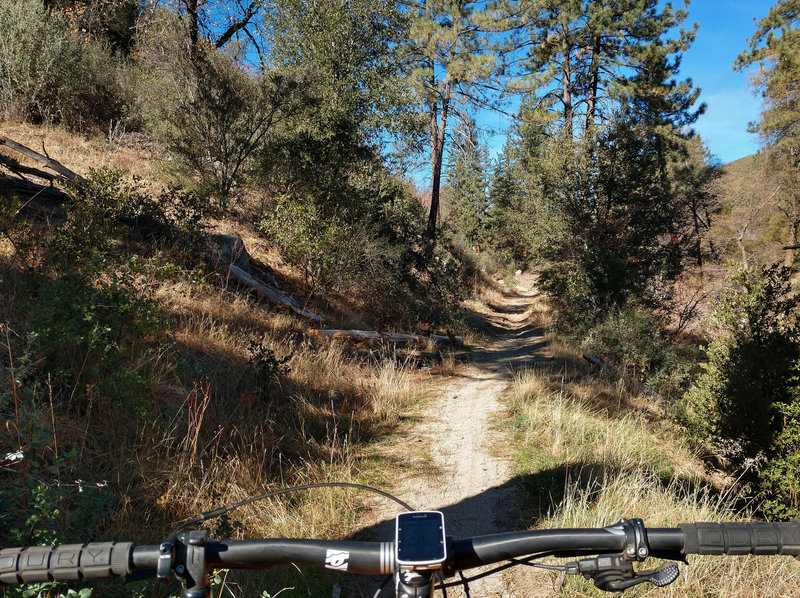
{"x":603,"y":188}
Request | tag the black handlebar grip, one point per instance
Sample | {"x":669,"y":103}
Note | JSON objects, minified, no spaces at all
{"x":64,"y":563}
{"x":741,"y":538}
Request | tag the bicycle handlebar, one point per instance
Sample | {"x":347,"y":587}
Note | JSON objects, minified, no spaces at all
{"x":106,"y":559}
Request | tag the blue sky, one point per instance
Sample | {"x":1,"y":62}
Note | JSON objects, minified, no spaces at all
{"x":725,"y":26}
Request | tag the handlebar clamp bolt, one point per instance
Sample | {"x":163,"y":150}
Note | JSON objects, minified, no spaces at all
{"x":643,"y":552}
{"x":631,"y":551}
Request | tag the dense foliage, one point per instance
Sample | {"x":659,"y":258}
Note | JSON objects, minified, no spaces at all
{"x":745,"y":401}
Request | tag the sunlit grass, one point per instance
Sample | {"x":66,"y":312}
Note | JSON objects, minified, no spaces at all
{"x":593,"y":457}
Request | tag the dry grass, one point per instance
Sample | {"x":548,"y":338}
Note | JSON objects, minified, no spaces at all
{"x":593,"y":456}
{"x":205,"y":437}
{"x":130,"y":153}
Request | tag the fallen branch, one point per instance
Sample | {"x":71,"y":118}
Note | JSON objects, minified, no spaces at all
{"x":272,"y":294}
{"x":640,"y":388}
{"x":20,"y":170}
{"x":374,"y":337}
{"x":53,"y":165}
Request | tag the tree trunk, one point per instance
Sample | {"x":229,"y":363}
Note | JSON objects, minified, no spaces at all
{"x":194,"y":27}
{"x":438,"y":132}
{"x":788,"y":260}
{"x":594,"y":83}
{"x":566,"y":82}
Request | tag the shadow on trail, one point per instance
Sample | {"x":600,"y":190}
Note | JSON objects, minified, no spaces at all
{"x":541,"y":494}
{"x":519,"y":349}
{"x":508,"y":309}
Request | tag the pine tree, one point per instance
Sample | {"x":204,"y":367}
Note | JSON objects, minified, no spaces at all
{"x":602,"y":199}
{"x":581,"y":52}
{"x":775,"y":47}
{"x":454,"y":66}
{"x":467,"y":180}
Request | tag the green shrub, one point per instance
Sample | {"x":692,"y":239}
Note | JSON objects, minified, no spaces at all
{"x":746,"y":402}
{"x":268,"y":368}
{"x":88,"y":324}
{"x":779,"y":478}
{"x":97,"y":216}
{"x":92,"y":94}
{"x":90,"y":303}
{"x":328,"y":249}
{"x":211,"y":114}
{"x":108,"y":206}
{"x":47,"y":74}
{"x":35,"y":54}
{"x":43,"y":501}
{"x":633,"y":340}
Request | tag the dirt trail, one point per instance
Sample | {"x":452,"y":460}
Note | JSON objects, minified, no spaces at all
{"x":468,"y":479}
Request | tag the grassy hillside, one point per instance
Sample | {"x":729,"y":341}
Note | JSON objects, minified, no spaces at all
{"x":747,"y":199}
{"x":140,"y":386}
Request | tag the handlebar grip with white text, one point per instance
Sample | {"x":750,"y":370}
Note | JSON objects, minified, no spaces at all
{"x":64,"y":563}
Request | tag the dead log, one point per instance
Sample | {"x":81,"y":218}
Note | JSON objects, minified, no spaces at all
{"x":229,"y":250}
{"x":638,"y":386}
{"x":272,"y":294}
{"x":21,"y":170}
{"x":394,"y":339}
{"x":53,"y":165}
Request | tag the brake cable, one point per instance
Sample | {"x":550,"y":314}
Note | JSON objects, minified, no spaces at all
{"x":228,"y":508}
{"x":511,"y":563}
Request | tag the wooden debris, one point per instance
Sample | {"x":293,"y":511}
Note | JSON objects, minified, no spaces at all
{"x":272,"y":294}
{"x":47,"y":161}
{"x":375,"y":338}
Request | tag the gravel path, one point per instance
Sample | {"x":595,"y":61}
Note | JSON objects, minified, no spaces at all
{"x":467,"y":477}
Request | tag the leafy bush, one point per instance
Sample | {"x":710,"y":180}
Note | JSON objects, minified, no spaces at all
{"x":268,"y":368}
{"x":633,"y":340}
{"x":35,"y":52}
{"x":211,"y":114}
{"x":326,"y":248}
{"x":47,"y":74}
{"x":97,"y":216}
{"x":746,"y":402}
{"x":92,"y":94}
{"x":779,"y":478}
{"x":108,"y":206}
{"x":90,"y":300}
{"x":43,"y":501}
{"x":86,"y":325}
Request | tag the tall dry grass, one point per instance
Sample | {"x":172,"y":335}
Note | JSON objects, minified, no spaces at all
{"x":592,"y":456}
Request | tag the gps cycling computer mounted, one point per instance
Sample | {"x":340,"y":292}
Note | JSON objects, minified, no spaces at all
{"x":420,"y":539}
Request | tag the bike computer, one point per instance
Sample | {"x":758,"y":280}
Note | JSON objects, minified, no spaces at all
{"x":420,"y":539}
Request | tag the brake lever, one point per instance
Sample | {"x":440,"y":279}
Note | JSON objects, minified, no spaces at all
{"x":659,"y":577}
{"x":613,"y":573}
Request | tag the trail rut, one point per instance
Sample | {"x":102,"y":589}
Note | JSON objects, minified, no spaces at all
{"x":466,"y":474}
